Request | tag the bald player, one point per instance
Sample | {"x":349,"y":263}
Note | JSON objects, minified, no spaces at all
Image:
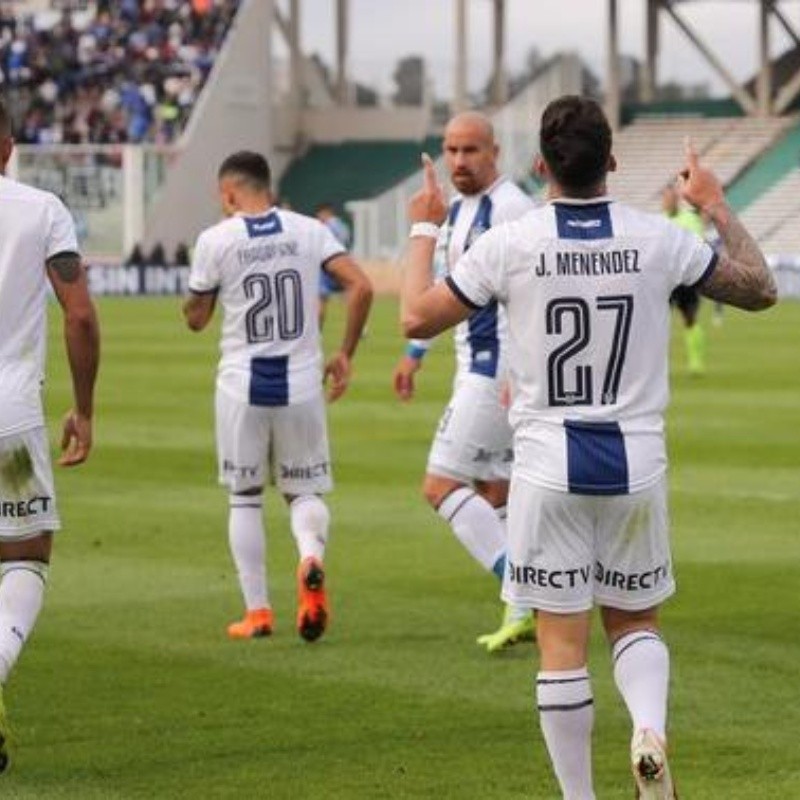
{"x":467,"y":475}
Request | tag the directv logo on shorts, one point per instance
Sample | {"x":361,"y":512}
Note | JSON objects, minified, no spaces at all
{"x":552,"y":579}
{"x":570,"y":578}
{"x":630,"y":581}
{"x":228,"y":467}
{"x":304,"y":473}
{"x":20,"y":509}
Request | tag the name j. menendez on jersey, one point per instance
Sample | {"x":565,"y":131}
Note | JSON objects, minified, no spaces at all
{"x":594,"y":263}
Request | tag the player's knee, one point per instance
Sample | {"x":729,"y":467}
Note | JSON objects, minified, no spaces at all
{"x":618,"y":622}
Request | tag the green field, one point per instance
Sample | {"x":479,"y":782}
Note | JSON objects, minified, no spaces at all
{"x":129,"y":687}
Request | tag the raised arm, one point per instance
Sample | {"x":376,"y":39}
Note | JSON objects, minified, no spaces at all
{"x":426,"y":309}
{"x":82,"y":340}
{"x":741,"y":277}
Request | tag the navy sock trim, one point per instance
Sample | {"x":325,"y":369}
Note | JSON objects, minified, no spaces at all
{"x":461,"y":505}
{"x":551,"y":681}
{"x":567,"y":706}
{"x":649,"y":636}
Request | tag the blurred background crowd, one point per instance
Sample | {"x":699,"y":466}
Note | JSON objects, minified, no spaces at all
{"x":125,"y":71}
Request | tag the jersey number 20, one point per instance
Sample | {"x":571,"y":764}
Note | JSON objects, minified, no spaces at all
{"x":278,"y":305}
{"x":569,"y":380}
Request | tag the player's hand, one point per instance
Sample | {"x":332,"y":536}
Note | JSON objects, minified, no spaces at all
{"x":76,"y":439}
{"x":337,"y":376}
{"x":697,"y":184}
{"x":403,"y":378}
{"x":429,"y":203}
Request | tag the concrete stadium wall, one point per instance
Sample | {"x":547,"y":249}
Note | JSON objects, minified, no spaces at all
{"x":338,"y":124}
{"x":234,"y":113}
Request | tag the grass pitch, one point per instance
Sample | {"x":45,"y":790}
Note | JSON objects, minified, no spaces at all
{"x":129,"y":688}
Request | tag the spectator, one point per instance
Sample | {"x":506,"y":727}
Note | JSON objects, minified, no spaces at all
{"x":182,"y":255}
{"x":136,"y":257}
{"x":131,"y":73}
{"x":157,"y":257}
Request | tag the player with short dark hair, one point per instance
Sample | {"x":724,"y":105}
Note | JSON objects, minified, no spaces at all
{"x":585,"y":282}
{"x":37,"y":243}
{"x":262,"y":264}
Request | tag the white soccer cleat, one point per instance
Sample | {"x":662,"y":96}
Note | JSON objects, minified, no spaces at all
{"x":650,"y":767}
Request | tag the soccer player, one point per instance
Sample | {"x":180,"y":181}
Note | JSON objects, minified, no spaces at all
{"x":585,"y":282}
{"x":466,"y":479}
{"x":262,"y":264}
{"x":687,"y":298}
{"x":328,"y":285}
{"x":37,"y":243}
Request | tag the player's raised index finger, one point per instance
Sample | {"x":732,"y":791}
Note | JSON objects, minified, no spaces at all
{"x":428,"y":173}
{"x":691,"y":152}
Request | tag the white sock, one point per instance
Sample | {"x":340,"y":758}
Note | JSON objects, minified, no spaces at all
{"x":566,"y":716}
{"x":248,"y":548}
{"x":21,"y":595}
{"x":475,"y":524}
{"x":641,"y":672}
{"x":310,"y":520}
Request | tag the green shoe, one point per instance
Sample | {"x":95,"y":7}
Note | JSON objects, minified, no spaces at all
{"x":695,"y":339}
{"x":513,"y":629}
{"x":4,"y":734}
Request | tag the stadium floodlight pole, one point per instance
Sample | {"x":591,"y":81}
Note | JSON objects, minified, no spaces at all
{"x":650,"y":79}
{"x":342,"y":24}
{"x":460,"y":77}
{"x":764,"y":81}
{"x":499,"y":78}
{"x":612,"y":76}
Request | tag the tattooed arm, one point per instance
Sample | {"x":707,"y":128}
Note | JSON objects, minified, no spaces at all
{"x":82,"y":339}
{"x":742,"y":277}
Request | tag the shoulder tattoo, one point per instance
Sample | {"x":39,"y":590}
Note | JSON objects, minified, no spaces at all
{"x":67,"y":266}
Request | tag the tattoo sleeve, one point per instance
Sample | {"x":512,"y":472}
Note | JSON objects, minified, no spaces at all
{"x":67,"y":266}
{"x":742,"y":277}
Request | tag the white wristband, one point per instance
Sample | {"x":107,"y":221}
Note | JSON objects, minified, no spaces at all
{"x":429,"y":229}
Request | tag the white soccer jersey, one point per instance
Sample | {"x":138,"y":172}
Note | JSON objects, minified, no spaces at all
{"x":586,"y":287}
{"x":480,"y":340}
{"x":34,"y":226}
{"x":265,"y":271}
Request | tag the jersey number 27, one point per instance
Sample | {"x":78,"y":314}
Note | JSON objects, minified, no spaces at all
{"x":569,"y":377}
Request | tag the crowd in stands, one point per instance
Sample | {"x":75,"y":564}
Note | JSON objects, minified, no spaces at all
{"x":127,"y":71}
{"x":157,"y":257}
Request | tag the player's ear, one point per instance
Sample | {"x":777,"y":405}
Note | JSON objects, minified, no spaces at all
{"x":612,"y":163}
{"x":540,"y":167}
{"x":6,"y":148}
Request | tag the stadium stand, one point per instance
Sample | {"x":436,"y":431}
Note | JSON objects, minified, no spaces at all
{"x":773,"y":217}
{"x":651,"y":148}
{"x":124,"y":71}
{"x":338,"y":172}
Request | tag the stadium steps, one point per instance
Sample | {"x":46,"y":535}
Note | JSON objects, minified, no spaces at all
{"x":339,"y":173}
{"x":767,"y":195}
{"x":649,"y":152}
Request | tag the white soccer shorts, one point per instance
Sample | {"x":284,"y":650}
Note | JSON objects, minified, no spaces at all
{"x":567,"y":552}
{"x":27,"y":497}
{"x":473,"y":441}
{"x":288,"y":444}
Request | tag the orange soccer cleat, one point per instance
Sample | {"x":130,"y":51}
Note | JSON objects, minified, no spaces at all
{"x":312,"y":602}
{"x":254,"y":625}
